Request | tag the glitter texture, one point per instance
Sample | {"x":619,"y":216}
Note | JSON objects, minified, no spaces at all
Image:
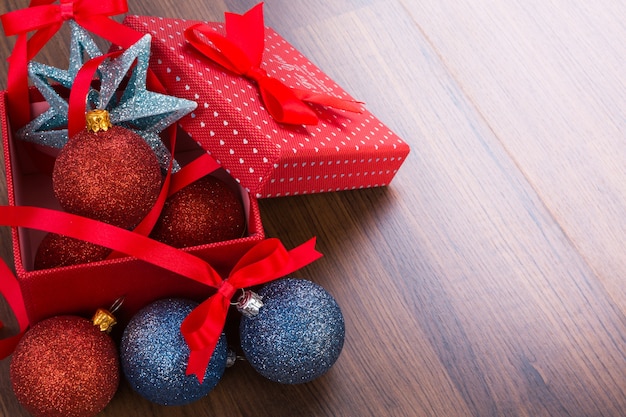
{"x":111,"y":176}
{"x":205,"y":211}
{"x":57,"y":250}
{"x":154,"y":355}
{"x":64,"y":367}
{"x":297,"y":335}
{"x":145,"y":112}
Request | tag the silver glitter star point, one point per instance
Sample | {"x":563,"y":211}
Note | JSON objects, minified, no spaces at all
{"x":145,"y":112}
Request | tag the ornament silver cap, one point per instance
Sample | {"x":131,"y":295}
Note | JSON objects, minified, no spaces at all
{"x":249,"y":303}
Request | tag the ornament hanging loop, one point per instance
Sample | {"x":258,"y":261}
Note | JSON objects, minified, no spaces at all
{"x":117,"y":304}
{"x":249,"y":303}
{"x":232,"y":358}
{"x":104,"y":319}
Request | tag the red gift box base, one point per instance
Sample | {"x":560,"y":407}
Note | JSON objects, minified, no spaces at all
{"x":81,"y":289}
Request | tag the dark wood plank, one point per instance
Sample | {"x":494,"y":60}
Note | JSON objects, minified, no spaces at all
{"x":549,"y":80}
{"x":463,"y":292}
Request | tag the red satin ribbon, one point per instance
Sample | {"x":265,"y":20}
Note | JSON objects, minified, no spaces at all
{"x":265,"y":261}
{"x":45,"y":19}
{"x":193,"y":171}
{"x":241,"y":52}
{"x":76,"y":121}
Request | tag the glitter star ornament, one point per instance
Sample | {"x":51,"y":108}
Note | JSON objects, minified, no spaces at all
{"x":145,"y":112}
{"x":66,"y":366}
{"x":295,"y":334}
{"x":154,"y":355}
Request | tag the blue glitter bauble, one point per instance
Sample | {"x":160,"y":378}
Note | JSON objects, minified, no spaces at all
{"x":154,"y":355}
{"x":297,"y":335}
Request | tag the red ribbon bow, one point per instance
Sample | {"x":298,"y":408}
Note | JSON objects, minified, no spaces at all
{"x":265,"y":261}
{"x":46,"y":18}
{"x":241,"y":52}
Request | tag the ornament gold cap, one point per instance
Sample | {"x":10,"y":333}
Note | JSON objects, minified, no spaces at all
{"x":98,"y":120}
{"x":104,"y":320}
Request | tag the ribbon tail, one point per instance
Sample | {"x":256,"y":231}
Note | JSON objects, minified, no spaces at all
{"x":247,"y":31}
{"x":301,"y":256}
{"x":269,"y":260}
{"x":353,"y":106}
{"x":199,"y":361}
{"x":202,"y":329}
{"x":283,"y":104}
{"x":17,"y":83}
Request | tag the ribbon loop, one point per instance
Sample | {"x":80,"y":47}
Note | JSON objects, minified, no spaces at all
{"x":241,"y":52}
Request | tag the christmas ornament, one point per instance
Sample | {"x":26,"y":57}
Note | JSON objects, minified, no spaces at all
{"x":205,"y":211}
{"x":66,"y":366}
{"x":107,"y":174}
{"x":57,"y":250}
{"x":154,"y":355}
{"x":145,"y":112}
{"x":292,"y":332}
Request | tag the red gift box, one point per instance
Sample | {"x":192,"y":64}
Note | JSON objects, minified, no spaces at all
{"x":343,"y":151}
{"x":81,"y":289}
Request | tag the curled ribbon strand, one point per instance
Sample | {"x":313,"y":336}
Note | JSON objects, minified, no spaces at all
{"x":241,"y":52}
{"x":266,"y":261}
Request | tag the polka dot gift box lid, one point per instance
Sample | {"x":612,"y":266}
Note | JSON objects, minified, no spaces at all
{"x":344,"y":150}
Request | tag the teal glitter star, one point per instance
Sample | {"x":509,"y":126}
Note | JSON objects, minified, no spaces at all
{"x":50,"y":127}
{"x":145,"y":112}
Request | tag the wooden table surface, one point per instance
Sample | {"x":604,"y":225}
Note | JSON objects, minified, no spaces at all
{"x":488,"y":278}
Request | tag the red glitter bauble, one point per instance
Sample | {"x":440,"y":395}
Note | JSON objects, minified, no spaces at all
{"x":58,"y":250}
{"x":112,"y":176}
{"x":65,"y":367}
{"x":205,"y":211}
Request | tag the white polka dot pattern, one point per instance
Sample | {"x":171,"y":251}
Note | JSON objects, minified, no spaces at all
{"x":344,"y":151}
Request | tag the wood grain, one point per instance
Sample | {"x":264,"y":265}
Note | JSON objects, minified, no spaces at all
{"x":486,"y":280}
